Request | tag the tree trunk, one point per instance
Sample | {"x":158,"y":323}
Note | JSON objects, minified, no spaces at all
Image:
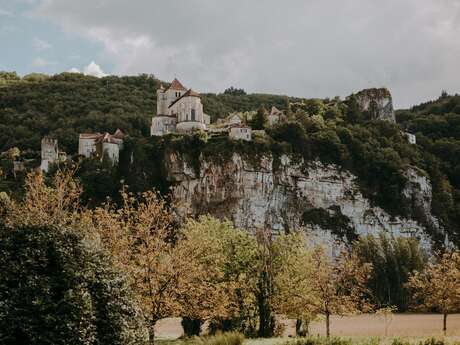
{"x":152,"y":334}
{"x":444,"y":324}
{"x":328,"y":331}
{"x":301,"y":327}
{"x":266,"y":318}
{"x":298,"y":327}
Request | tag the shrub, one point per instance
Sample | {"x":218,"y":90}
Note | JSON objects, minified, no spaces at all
{"x":398,"y":341}
{"x":231,"y":338}
{"x":55,"y":289}
{"x":320,"y":341}
{"x":432,"y":341}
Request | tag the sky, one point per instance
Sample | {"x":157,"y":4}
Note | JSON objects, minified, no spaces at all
{"x":305,"y":48}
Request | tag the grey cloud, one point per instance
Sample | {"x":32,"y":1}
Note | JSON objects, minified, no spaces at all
{"x":312,"y":48}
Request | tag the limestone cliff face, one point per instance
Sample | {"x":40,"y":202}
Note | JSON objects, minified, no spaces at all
{"x":378,"y":102}
{"x":276,"y":196}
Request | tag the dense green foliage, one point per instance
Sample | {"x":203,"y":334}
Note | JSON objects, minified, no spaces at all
{"x":55,"y":289}
{"x":332,"y":220}
{"x":67,"y":104}
{"x":437,"y":127}
{"x":393,"y":260}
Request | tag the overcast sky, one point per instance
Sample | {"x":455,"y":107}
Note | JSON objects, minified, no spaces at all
{"x":309,"y":48}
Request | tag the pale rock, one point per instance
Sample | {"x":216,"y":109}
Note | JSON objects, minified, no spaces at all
{"x":274,"y":195}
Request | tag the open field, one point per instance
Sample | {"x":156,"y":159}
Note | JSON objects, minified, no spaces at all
{"x":402,"y":325}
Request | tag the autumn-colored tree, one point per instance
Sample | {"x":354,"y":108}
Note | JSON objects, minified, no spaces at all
{"x":54,"y":203}
{"x":340,"y":284}
{"x":139,"y":237}
{"x":221,"y":258}
{"x":294,"y":295}
{"x":438,"y":285}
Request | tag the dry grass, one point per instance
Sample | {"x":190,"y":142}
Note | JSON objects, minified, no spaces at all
{"x":412,"y":327}
{"x":402,"y":325}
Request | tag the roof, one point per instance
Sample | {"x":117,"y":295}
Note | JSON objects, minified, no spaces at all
{"x":176,"y":85}
{"x":234,"y":114}
{"x":115,"y":138}
{"x":238,"y":125}
{"x":90,"y":135}
{"x":119,"y":134}
{"x":108,"y":138}
{"x":275,"y":111}
{"x":189,"y":93}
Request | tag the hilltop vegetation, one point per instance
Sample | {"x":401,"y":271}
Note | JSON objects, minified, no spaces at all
{"x":67,"y":104}
{"x":437,"y":126}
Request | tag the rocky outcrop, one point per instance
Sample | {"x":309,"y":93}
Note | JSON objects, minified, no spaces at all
{"x":277,"y":196}
{"x":377,"y":103}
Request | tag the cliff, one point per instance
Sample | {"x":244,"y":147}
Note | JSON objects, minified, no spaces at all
{"x":285,"y":194}
{"x":378,"y":103}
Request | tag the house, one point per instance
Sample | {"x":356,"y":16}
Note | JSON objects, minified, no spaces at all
{"x":240,"y":132}
{"x":101,"y":145}
{"x":50,"y":153}
{"x":178,"y":110}
{"x":232,"y":126}
{"x":233,"y":118}
{"x":275,"y":116}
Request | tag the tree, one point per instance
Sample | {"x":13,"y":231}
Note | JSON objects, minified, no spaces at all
{"x":140,"y":236}
{"x":295,"y":296}
{"x":234,"y":91}
{"x":260,"y":119}
{"x":222,"y":259}
{"x":340,"y":284}
{"x":438,"y":286}
{"x":54,"y":203}
{"x":387,"y":315}
{"x":57,"y":289}
{"x":393,"y":260}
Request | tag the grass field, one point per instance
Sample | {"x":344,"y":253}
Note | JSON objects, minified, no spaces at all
{"x":402,"y":325}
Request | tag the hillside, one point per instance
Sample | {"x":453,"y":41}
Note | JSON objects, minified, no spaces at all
{"x":345,"y":136}
{"x":67,"y":104}
{"x":437,"y":126}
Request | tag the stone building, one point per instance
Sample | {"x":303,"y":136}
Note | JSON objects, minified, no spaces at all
{"x":178,"y":110}
{"x":240,"y":132}
{"x":233,"y":118}
{"x":50,"y":153}
{"x":101,"y":145}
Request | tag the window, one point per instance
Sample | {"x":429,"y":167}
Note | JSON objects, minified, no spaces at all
{"x":193,"y":115}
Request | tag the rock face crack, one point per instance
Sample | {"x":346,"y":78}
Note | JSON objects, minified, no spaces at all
{"x":263,"y":197}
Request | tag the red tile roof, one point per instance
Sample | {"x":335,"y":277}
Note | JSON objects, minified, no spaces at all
{"x":176,"y":85}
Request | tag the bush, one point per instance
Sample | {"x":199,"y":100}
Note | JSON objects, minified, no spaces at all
{"x":55,"y":289}
{"x":320,"y":341}
{"x":231,"y":338}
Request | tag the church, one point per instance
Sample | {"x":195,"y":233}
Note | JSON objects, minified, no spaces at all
{"x":178,"y":111}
